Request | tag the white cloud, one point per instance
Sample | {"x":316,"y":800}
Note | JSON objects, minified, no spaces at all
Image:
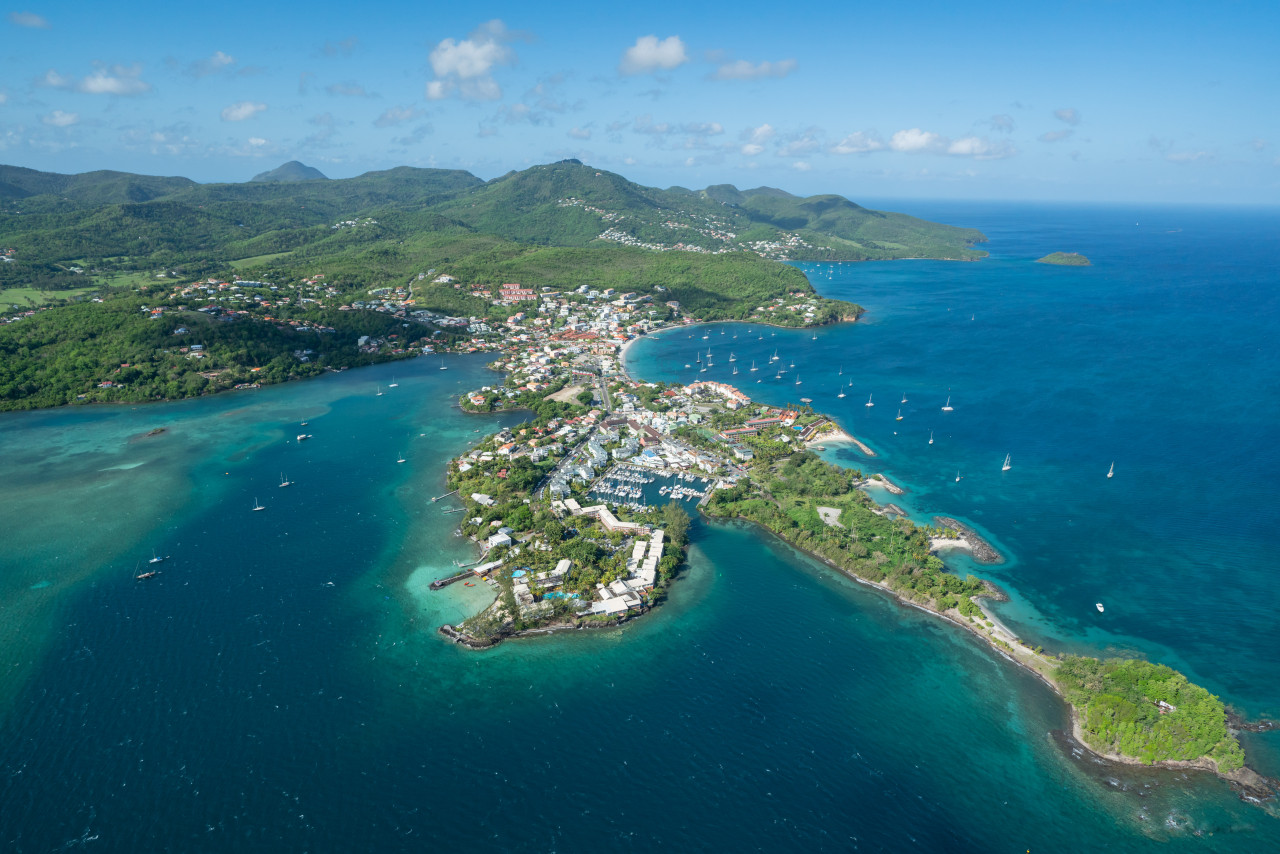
{"x":649,"y":54}
{"x":59,"y":119}
{"x":916,"y":140}
{"x":1056,"y":135}
{"x":645,"y":124}
{"x":580,"y":133}
{"x":980,"y":148}
{"x":243,"y":110}
{"x":755,"y":138}
{"x":257,"y":141}
{"x":211,"y":65}
{"x":859,"y":142}
{"x":397,"y":115}
{"x":466,"y":67}
{"x":104,"y":80}
{"x":804,"y":143}
{"x":29,"y":19}
{"x":1188,"y":156}
{"x":1070,"y":115}
{"x":702,"y":128}
{"x":743,"y":70}
{"x":801,"y":166}
{"x":1258,"y":144}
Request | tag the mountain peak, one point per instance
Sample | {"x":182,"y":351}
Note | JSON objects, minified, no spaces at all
{"x":291,"y":171}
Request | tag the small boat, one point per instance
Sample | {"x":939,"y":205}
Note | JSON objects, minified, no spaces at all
{"x":797,"y":380}
{"x":957,"y":477}
{"x":703,"y":371}
{"x":869,"y":403}
{"x":774,"y":357}
{"x":899,"y":418}
{"x":930,"y":437}
{"x":1098,"y":605}
{"x":841,"y":394}
{"x":841,"y":371}
{"x":304,"y":424}
{"x":732,"y":358}
{"x":257,"y":506}
{"x":687,"y":365}
{"x":302,"y":437}
{"x":401,"y":460}
{"x":815,"y":336}
{"x":904,"y":398}
{"x":443,"y":366}
{"x":1111,"y":471}
{"x":155,"y":559}
{"x":149,"y":574}
{"x":379,"y":392}
{"x":393,"y":383}
{"x":735,"y":369}
{"x":948,"y":407}
{"x":284,"y":482}
{"x":753,"y":365}
{"x":1008,"y":462}
{"x":467,"y":584}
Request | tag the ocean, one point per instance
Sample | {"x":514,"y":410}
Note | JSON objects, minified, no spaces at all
{"x":279,"y":686}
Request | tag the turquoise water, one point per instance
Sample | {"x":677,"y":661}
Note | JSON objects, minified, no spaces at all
{"x":279,"y":685}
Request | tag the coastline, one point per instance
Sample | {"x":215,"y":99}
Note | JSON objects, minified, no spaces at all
{"x":839,"y":434}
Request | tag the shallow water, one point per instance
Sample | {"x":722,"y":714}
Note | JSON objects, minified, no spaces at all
{"x":279,"y":686}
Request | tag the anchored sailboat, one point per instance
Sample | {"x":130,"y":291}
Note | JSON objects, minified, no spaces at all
{"x":899,"y":418}
{"x":1111,"y":471}
{"x":948,"y":407}
{"x":257,"y":506}
{"x":753,"y":365}
{"x":1008,"y":462}
{"x":869,"y":403}
{"x":930,"y":437}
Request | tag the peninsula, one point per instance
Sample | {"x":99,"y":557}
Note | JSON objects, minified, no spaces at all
{"x":579,"y":516}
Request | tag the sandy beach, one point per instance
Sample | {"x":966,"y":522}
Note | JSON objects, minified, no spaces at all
{"x":838,"y":435}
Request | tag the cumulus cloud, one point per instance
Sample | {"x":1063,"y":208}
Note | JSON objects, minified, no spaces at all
{"x":801,"y":166}
{"x":59,"y":119}
{"x":754,"y":139}
{"x":650,"y":54}
{"x":393,"y":116}
{"x":1070,"y":115}
{"x":980,"y":148}
{"x":743,"y":70}
{"x":646,"y":124}
{"x":415,"y":136}
{"x":257,"y":141}
{"x":28,"y":19}
{"x":916,"y":140}
{"x":349,"y":89}
{"x":1056,"y":135}
{"x":242,"y":110}
{"x":799,"y":144}
{"x":466,"y":67}
{"x":1002,"y":123}
{"x":859,"y":142}
{"x":209,"y":65}
{"x":580,"y":133}
{"x":103,"y":80}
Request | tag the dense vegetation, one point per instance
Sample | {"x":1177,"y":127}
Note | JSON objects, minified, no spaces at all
{"x":1118,"y":701}
{"x":1065,"y":259}
{"x":785,"y":498}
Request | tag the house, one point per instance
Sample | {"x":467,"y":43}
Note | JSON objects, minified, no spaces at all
{"x":482,"y":499}
{"x":499,"y":539}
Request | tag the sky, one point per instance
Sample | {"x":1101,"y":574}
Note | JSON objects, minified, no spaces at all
{"x":1124,"y":101}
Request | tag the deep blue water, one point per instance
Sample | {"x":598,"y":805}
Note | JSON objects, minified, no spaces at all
{"x":279,"y":687}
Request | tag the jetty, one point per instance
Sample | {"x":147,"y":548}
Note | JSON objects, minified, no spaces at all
{"x":440,"y":583}
{"x":446,"y":495}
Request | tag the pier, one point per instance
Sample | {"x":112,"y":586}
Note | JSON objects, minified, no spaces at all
{"x":446,"y":495}
{"x":441,"y":583}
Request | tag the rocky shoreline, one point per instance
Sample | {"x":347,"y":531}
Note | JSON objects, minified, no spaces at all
{"x":982,"y":550}
{"x":473,"y":642}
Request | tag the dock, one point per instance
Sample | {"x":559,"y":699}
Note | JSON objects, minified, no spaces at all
{"x":441,"y":583}
{"x":446,"y":495}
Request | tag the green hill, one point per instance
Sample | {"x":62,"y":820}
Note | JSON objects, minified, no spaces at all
{"x":291,"y":171}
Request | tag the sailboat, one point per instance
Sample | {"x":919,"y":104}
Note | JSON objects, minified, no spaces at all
{"x":948,"y":407}
{"x":393,"y":383}
{"x":1008,"y":462}
{"x":151,"y":573}
{"x":774,"y":357}
{"x":378,"y":393}
{"x":401,"y":458}
{"x":869,"y":403}
{"x":930,"y":437}
{"x":815,"y":336}
{"x":797,"y":379}
{"x":840,"y":372}
{"x":904,"y":397}
{"x":732,"y":358}
{"x":957,"y":476}
{"x":899,"y":418}
{"x":753,"y":365}
{"x":735,"y":369}
{"x":154,"y":559}
{"x":841,"y":394}
{"x":1111,"y":471}
{"x":443,"y":366}
{"x":257,"y":506}
{"x":284,"y":482}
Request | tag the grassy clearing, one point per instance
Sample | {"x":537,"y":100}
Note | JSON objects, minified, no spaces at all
{"x":254,"y":261}
{"x":32,"y":297}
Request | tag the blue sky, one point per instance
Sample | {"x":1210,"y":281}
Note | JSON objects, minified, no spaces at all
{"x":1080,"y":101}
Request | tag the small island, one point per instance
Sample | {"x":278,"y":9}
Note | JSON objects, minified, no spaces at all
{"x":1065,"y":259}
